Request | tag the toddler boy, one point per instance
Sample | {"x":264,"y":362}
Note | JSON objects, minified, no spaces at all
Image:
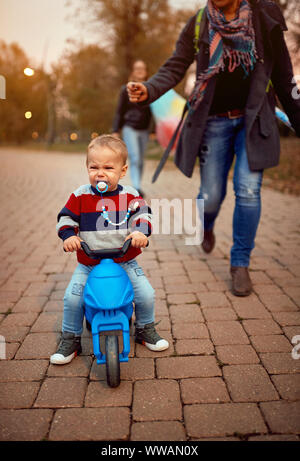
{"x":105,"y":220}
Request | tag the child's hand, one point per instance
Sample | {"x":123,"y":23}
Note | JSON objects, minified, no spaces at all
{"x":139,"y":240}
{"x":72,"y":243}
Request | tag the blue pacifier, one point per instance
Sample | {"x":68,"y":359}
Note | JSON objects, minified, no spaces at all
{"x":101,"y":186}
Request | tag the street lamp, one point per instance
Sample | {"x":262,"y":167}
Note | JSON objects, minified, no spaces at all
{"x":28,"y":71}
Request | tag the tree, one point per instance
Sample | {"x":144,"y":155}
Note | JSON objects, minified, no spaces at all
{"x":85,"y":76}
{"x":137,"y":29}
{"x":291,"y":12}
{"x":22,"y":94}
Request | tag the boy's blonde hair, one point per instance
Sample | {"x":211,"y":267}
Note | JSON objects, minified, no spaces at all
{"x":111,"y":142}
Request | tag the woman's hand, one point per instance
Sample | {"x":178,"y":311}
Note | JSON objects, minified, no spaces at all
{"x":72,"y":243}
{"x":139,"y":240}
{"x":137,"y":92}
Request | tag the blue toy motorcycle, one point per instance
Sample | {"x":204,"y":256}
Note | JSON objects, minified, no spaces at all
{"x":108,"y":297}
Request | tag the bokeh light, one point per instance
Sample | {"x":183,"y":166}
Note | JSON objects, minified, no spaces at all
{"x":73,"y":136}
{"x":28,"y":114}
{"x":28,"y":71}
{"x":94,"y":135}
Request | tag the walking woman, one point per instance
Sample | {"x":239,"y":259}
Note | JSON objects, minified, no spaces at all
{"x":133,"y":121}
{"x":242,"y":62}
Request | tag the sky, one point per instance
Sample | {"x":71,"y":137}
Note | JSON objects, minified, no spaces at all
{"x":42,"y":27}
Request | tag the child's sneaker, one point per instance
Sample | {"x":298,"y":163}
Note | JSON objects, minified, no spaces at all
{"x":69,"y":347}
{"x":149,"y":337}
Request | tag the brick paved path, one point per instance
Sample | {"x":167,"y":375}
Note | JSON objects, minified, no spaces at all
{"x":228,"y":373}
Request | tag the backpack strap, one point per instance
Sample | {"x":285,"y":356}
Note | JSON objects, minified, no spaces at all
{"x":170,"y":146}
{"x":199,"y":26}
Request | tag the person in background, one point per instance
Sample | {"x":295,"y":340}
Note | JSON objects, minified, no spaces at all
{"x":132,"y":122}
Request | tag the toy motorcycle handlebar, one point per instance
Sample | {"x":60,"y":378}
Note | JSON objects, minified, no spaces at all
{"x":107,"y":252}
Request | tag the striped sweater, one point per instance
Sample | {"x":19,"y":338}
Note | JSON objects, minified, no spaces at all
{"x":92,"y":216}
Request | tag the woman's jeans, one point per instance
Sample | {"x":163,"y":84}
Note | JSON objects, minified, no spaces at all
{"x":224,"y":137}
{"x":136,"y":143}
{"x":73,"y":299}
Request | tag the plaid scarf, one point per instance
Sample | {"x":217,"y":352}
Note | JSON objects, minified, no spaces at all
{"x":232,"y":40}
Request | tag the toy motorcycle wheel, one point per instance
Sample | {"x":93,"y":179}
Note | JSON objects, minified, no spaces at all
{"x":112,"y":361}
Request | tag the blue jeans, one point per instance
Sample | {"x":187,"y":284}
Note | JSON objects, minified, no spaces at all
{"x":223,"y":138}
{"x":136,"y":143}
{"x":73,"y":299}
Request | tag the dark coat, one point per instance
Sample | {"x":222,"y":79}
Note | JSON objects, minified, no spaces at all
{"x":128,"y":113}
{"x":262,"y":136}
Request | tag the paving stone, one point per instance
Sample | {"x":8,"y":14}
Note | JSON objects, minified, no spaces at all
{"x":11,"y":285}
{"x":24,"y":425}
{"x":270,"y":343}
{"x":161,"y":308}
{"x":181,"y":298}
{"x":6,"y":306}
{"x":223,"y":419}
{"x":10,"y":350}
{"x":156,"y":400}
{"x":267,"y":289}
{"x":22,"y":370}
{"x":10,"y":296}
{"x":251,"y":310}
{"x":219,"y":313}
{"x":30,"y":304}
{"x":261,"y":327}
{"x":38,"y":346}
{"x":279,"y":362}
{"x":249,"y":383}
{"x":19,"y":319}
{"x":181,"y":289}
{"x":288,"y":386}
{"x":187,"y":367}
{"x":287,"y":318}
{"x":282,"y":417}
{"x":190,"y":330}
{"x":237,"y":354}
{"x":18,"y":394}
{"x":186,"y":313}
{"x":203,"y":390}
{"x":294,"y":293}
{"x":290,"y":332}
{"x":39,"y":289}
{"x":47,"y":322}
{"x":61,"y":392}
{"x":201,"y":276}
{"x":213,"y":299}
{"x":13,"y":333}
{"x":218,"y":286}
{"x":99,"y":394}
{"x":158,"y":431}
{"x":90,"y":424}
{"x":277,"y":302}
{"x":80,"y":367}
{"x":194,"y":347}
{"x":225,"y":333}
{"x":53,"y":306}
{"x":274,"y":438}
